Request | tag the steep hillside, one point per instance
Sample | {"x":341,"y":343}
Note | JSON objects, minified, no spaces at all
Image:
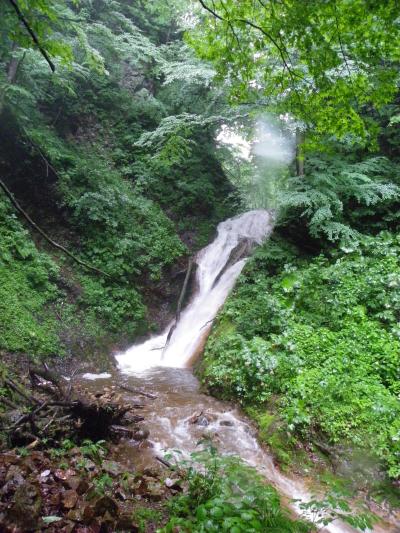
{"x":74,"y":155}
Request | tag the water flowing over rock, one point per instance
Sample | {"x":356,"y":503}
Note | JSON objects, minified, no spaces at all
{"x":218,"y":266}
{"x":180,"y":415}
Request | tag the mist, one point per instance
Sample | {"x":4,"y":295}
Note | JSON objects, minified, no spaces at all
{"x":272,"y":143}
{"x":261,"y":153}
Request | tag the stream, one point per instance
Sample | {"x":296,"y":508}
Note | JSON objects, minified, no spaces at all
{"x":181,"y":414}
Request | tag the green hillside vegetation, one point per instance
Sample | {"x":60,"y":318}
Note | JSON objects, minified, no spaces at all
{"x":116,"y":167}
{"x":75,"y":155}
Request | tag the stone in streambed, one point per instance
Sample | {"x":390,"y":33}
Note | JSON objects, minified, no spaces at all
{"x":154,"y":492}
{"x":202,"y":419}
{"x":227,"y":423}
{"x":64,"y":475}
{"x":69,"y":499}
{"x":111,"y":467}
{"x":152,"y":471}
{"x":145,"y":445}
{"x":106,"y":504}
{"x":15,"y":474}
{"x":88,"y":513}
{"x":78,"y":484}
{"x":173,"y":484}
{"x":126,"y":522}
{"x":141,"y":434}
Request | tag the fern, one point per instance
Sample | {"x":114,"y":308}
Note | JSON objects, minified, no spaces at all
{"x":334,"y":186}
{"x":193,"y":73}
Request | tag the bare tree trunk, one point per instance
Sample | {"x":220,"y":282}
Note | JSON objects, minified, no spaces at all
{"x":299,"y":153}
{"x":12,"y":72}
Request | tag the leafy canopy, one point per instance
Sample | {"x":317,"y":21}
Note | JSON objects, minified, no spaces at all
{"x":322,"y":62}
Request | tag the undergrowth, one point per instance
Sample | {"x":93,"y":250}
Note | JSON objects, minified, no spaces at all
{"x":226,"y":495}
{"x":319,"y":339}
{"x":222,"y":493}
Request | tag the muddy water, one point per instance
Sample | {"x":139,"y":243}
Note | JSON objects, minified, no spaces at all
{"x":181,"y":415}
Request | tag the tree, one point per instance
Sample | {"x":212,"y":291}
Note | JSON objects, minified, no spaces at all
{"x":322,"y":62}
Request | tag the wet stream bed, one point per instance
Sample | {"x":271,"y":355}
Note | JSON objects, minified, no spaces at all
{"x":181,"y":415}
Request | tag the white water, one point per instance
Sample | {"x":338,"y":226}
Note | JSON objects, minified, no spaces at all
{"x":214,"y":284}
{"x":161,"y":369}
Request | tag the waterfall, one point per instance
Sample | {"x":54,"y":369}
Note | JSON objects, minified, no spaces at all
{"x":155,"y":367}
{"x":218,"y":266}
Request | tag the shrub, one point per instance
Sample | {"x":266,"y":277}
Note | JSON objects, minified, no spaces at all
{"x":226,"y":495}
{"x":322,"y":335}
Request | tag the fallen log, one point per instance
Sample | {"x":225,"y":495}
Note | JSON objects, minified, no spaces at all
{"x":17,"y":389}
{"x":46,"y":374}
{"x":138,"y":391}
{"x":127,"y":433}
{"x":58,"y":410}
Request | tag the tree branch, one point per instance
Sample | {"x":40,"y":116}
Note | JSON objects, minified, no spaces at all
{"x":340,"y":42}
{"x":48,"y":239}
{"x":214,"y":13}
{"x":267,"y":35}
{"x":32,"y":34}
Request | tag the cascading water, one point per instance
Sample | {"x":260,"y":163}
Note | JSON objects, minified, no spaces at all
{"x":161,"y":367}
{"x":217,"y":271}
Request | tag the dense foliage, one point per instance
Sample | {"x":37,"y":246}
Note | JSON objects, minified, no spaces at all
{"x":25,"y":289}
{"x":100,"y":154}
{"x":318,"y":337}
{"x":111,"y":139}
{"x":226,"y":495}
{"x":342,"y":196}
{"x":314,"y":60}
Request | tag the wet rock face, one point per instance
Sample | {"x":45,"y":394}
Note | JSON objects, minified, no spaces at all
{"x":243,"y":249}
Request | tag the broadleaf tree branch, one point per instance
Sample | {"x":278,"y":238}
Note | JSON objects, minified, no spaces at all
{"x":207,"y":8}
{"x":267,"y":35}
{"x":32,"y":34}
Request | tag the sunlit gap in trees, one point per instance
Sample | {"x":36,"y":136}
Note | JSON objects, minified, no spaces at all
{"x":257,"y":158}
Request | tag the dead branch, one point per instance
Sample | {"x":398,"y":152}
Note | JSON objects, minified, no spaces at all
{"x":138,"y":391}
{"x":164,"y":462}
{"x":45,"y":236}
{"x":27,"y":416}
{"x":208,"y":322}
{"x":60,"y":412}
{"x":8,"y":403}
{"x":17,"y":389}
{"x":180,"y":303}
{"x":52,"y":419}
{"x":184,"y":289}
